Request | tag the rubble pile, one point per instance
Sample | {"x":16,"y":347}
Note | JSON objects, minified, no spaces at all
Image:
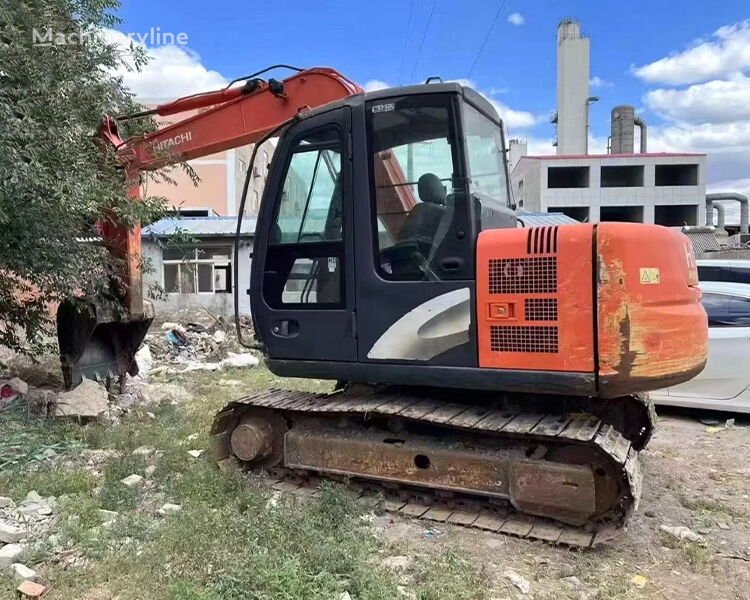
{"x":176,"y":347}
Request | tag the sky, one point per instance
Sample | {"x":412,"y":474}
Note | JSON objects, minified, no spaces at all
{"x":684,"y":65}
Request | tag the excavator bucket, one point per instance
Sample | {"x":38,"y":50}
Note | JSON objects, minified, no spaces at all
{"x":99,"y":340}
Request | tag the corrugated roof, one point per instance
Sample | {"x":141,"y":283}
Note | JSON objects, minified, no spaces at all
{"x":702,"y":238}
{"x":200,"y":226}
{"x":538,"y":219}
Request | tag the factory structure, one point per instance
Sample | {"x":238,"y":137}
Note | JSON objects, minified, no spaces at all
{"x":622,"y":185}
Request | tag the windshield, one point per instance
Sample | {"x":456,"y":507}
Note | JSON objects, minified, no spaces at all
{"x":484,"y":147}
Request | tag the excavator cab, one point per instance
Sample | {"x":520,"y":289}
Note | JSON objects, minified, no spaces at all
{"x":372,"y":208}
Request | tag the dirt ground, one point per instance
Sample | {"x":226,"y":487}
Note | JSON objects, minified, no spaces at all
{"x":695,"y":475}
{"x":692,"y":477}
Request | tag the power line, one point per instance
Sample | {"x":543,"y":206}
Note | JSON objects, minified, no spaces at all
{"x":487,"y":37}
{"x":406,"y":39}
{"x":424,"y":35}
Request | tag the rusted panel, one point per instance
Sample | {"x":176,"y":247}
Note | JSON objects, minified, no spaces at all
{"x":558,"y":491}
{"x":652,"y":328}
{"x":420,"y":460}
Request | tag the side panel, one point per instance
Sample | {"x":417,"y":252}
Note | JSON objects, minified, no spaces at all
{"x":653,"y":330}
{"x":534,"y":298}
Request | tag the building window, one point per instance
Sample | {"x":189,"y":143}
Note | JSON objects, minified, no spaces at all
{"x":567,"y":177}
{"x":667,"y":175}
{"x":622,"y":176}
{"x":202,"y":270}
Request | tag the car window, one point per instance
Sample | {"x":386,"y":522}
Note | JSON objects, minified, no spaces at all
{"x":717,"y":308}
{"x":739,"y":311}
{"x":726,"y":311}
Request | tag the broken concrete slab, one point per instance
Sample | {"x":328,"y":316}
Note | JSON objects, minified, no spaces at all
{"x":6,"y":502}
{"x":132,"y":480}
{"x":9,"y":534}
{"x":169,"y":509}
{"x":22,"y":573}
{"x":88,"y":401}
{"x":239,"y":360}
{"x":682,"y":533}
{"x":108,"y":516}
{"x":10,"y":554}
{"x":195,"y":453}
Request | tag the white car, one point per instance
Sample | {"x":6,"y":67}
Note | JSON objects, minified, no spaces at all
{"x":725,"y":382}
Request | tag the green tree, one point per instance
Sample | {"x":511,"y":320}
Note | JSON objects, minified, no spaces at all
{"x":55,"y":182}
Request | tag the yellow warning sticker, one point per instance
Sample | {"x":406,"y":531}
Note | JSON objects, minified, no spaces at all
{"x":650,"y":275}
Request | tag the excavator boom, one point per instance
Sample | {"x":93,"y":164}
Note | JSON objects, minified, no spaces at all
{"x":98,"y":340}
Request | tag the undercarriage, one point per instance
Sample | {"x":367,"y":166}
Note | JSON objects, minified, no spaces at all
{"x":562,"y":469}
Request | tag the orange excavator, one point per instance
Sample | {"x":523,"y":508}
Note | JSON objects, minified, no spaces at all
{"x":488,"y":373}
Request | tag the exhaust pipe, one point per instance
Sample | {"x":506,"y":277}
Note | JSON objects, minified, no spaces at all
{"x":711,"y":198}
{"x":644,"y":132}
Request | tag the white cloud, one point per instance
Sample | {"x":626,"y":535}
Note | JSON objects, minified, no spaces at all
{"x":597,"y":81}
{"x":172,"y":71}
{"x":703,"y":137}
{"x":726,"y":53}
{"x":716,"y":101}
{"x":516,"y":19}
{"x":374,"y":85}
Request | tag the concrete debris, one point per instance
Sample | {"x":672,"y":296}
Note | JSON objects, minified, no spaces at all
{"x":729,"y":424}
{"x":219,"y":336}
{"x":10,"y":534}
{"x":523,"y":586}
{"x":144,"y":360}
{"x":195,"y":453}
{"x":169,"y":509}
{"x":344,"y":596}
{"x":89,"y":400}
{"x":32,"y":497}
{"x":682,"y":533}
{"x":149,"y":470}
{"x":169,"y":326}
{"x":9,"y":554}
{"x":108,"y":516}
{"x":6,"y":502}
{"x":143,"y":451}
{"x":722,"y":525}
{"x":30,"y":589}
{"x":571,"y":582}
{"x":22,"y":573}
{"x":132,"y":480}
{"x":239,"y":360}
{"x":49,"y":453}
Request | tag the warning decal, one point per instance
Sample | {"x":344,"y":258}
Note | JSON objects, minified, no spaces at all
{"x":650,"y":275}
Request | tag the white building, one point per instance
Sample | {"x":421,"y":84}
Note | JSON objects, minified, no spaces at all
{"x":666,"y":189}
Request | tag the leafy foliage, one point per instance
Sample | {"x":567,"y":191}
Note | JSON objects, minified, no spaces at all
{"x":55,"y":181}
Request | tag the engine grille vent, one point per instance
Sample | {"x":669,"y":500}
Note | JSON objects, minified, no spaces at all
{"x":542,"y":240}
{"x":540,"y":309}
{"x":523,"y":339}
{"x":523,"y":275}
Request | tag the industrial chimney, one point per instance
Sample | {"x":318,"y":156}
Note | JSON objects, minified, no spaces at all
{"x":623,"y":124}
{"x":572,"y":88}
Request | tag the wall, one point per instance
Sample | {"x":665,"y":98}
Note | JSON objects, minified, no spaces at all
{"x":572,"y":89}
{"x":216,"y":303}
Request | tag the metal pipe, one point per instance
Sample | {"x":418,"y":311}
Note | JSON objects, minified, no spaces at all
{"x":711,"y":198}
{"x":720,"y":215}
{"x":644,"y":132}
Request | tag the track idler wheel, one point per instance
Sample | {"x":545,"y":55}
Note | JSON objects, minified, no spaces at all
{"x":258,"y":438}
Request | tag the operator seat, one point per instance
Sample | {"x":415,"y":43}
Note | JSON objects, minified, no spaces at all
{"x":422,"y":221}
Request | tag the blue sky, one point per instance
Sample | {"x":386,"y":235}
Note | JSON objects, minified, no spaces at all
{"x":684,"y":104}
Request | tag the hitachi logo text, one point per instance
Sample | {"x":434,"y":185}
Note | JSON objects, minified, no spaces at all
{"x":165,"y":145}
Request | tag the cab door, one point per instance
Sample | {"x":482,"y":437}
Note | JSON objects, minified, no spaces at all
{"x":302,"y":290}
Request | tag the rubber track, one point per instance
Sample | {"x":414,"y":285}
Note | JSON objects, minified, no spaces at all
{"x":579,"y":429}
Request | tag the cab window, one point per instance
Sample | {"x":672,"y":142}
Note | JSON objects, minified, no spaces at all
{"x":414,"y":173}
